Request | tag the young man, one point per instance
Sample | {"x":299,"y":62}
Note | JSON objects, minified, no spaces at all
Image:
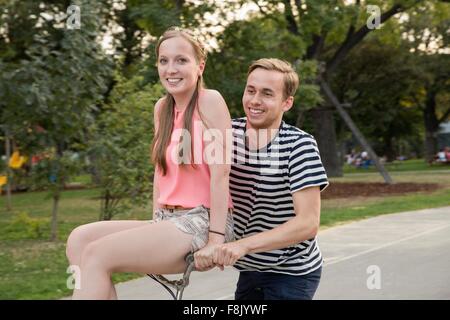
{"x":275,"y":183}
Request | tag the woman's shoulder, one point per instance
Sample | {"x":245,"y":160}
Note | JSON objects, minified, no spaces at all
{"x":212,"y":105}
{"x":210,"y":95}
{"x":210,"y":98}
{"x":160,"y":102}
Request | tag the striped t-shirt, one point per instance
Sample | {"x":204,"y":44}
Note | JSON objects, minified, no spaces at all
{"x":261,"y":185}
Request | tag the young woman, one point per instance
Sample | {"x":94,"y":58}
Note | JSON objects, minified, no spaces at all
{"x":191,"y":200}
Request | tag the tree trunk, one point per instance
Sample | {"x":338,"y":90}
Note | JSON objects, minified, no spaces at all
{"x":352,"y":126}
{"x":93,"y":169}
{"x":431,"y":125}
{"x":59,"y":185}
{"x":8,"y":171}
{"x":106,"y":206}
{"x":325,"y":134}
{"x":389,"y":148}
{"x":54,"y":230}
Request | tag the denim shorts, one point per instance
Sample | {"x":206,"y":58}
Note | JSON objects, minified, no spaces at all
{"x":254,"y":285}
{"x":194,"y":221}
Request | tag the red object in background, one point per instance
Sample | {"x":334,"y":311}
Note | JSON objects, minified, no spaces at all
{"x":35,"y":159}
{"x":447,"y":153}
{"x":39,"y":129}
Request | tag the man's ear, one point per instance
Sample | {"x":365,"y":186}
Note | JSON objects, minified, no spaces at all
{"x":288,"y":103}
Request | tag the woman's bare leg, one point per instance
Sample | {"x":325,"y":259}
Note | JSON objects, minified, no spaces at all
{"x":81,"y":236}
{"x":157,"y":248}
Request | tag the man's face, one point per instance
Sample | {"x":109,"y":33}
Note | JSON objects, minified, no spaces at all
{"x":263,"y":99}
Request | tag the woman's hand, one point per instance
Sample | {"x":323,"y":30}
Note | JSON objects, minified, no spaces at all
{"x":203,"y":258}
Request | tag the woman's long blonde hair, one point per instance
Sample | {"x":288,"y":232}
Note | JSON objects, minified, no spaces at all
{"x":166,"y":115}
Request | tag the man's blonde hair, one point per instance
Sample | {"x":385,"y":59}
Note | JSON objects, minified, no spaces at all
{"x":291,"y":80}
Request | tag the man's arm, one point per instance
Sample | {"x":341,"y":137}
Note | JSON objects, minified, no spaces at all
{"x":303,"y":226}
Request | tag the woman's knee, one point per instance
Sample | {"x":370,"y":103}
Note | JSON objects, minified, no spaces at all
{"x":76,"y":242}
{"x":95,"y":254}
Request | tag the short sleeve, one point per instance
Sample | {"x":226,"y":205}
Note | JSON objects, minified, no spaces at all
{"x":305,"y":166}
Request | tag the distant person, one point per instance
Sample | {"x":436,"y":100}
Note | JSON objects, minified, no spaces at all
{"x":351,"y":157}
{"x":441,"y":156}
{"x":447,"y":154}
{"x":365,"y":160}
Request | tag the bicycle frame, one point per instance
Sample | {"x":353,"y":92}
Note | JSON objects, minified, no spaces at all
{"x":179,"y":285}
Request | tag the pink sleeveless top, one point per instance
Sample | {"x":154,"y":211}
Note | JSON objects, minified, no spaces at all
{"x":185,"y":185}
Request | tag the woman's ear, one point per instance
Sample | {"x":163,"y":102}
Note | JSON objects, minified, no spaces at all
{"x":201,"y":66}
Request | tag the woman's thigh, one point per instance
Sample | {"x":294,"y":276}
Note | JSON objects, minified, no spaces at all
{"x":158,"y":248}
{"x":95,"y":230}
{"x":82,"y":235}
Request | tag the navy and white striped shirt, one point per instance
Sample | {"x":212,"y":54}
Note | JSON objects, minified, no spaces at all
{"x":261,"y":185}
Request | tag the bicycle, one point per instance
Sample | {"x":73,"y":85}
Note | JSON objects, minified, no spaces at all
{"x":179,"y":285}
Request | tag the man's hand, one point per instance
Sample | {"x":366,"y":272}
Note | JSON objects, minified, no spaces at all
{"x":227,"y":254}
{"x":203,"y":258}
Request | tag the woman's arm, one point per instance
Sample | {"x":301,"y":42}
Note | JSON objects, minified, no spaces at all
{"x":155,"y":192}
{"x":217,"y":120}
{"x":155,"y":177}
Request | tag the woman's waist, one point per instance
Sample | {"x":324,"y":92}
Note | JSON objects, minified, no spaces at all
{"x":174,"y":208}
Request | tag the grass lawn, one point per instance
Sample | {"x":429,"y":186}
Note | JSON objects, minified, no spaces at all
{"x":31,"y":267}
{"x":337,"y":211}
{"x":396,"y":166}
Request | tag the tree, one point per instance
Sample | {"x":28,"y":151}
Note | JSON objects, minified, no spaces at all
{"x":122,"y":138}
{"x":227,"y":65}
{"x":428,"y":37}
{"x":376,"y":80}
{"x":48,"y":92}
{"x":330,"y":31}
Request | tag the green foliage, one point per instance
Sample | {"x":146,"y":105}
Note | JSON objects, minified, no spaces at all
{"x":49,"y":87}
{"x":120,"y":145}
{"x":155,"y":15}
{"x":365,"y":80}
{"x":57,"y":85}
{"x":240,"y":44}
{"x":22,"y":226}
{"x":53,"y":171}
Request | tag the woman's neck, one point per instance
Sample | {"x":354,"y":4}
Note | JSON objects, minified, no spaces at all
{"x":182,"y":100}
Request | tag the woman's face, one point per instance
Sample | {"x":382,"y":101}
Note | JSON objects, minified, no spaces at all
{"x":178,"y":67}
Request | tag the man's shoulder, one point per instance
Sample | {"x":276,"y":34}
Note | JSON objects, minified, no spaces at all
{"x":238,"y":123}
{"x":292,"y":134}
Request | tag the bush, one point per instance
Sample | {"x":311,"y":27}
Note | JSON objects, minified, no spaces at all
{"x":120,"y":144}
{"x":23,"y":226}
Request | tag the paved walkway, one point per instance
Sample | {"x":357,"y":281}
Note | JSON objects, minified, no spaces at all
{"x":395,"y":256}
